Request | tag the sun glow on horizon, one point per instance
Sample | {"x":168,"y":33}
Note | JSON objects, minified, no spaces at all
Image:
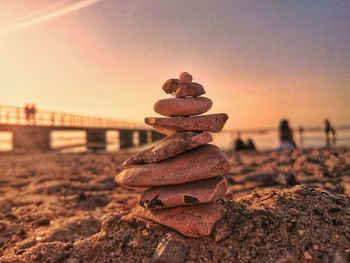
{"x":111,"y":59}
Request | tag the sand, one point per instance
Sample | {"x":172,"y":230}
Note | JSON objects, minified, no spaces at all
{"x":67,"y":208}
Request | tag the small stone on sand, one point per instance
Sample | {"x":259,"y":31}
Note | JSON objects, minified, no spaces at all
{"x":182,"y":107}
{"x":191,"y":221}
{"x":171,"y":248}
{"x":204,"y":162}
{"x":168,"y":126}
{"x":203,"y":191}
{"x":170,"y":146}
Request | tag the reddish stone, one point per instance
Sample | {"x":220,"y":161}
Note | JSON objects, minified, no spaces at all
{"x":181,"y":89}
{"x":182,"y":107}
{"x":191,"y":221}
{"x":185,"y":77}
{"x":170,"y":146}
{"x":204,"y":191}
{"x":201,"y":163}
{"x":168,"y":126}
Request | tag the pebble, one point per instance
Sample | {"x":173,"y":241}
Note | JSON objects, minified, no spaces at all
{"x":339,"y":257}
{"x":170,"y":146}
{"x":175,"y":107}
{"x":170,"y":249}
{"x":211,"y":123}
{"x":222,"y":231}
{"x":307,"y":256}
{"x":301,"y":232}
{"x":201,"y":163}
{"x":203,"y":191}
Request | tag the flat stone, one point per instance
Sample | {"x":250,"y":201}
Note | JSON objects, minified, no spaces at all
{"x":201,"y":163}
{"x":170,"y":146}
{"x":171,"y":248}
{"x":181,"y":89}
{"x":168,"y":126}
{"x":203,"y":191}
{"x":182,"y":107}
{"x":191,"y":221}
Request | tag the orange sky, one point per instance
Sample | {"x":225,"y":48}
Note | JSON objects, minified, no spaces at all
{"x":258,"y":63}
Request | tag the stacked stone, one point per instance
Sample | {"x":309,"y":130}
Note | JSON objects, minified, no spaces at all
{"x":183,"y":174}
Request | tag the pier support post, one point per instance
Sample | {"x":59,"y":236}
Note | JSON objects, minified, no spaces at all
{"x":126,"y":139}
{"x":96,"y":139}
{"x":143,"y":139}
{"x":149,"y":137}
{"x":156,"y":136}
{"x":31,"y":139}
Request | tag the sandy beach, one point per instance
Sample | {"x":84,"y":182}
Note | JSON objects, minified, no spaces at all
{"x":67,"y":208}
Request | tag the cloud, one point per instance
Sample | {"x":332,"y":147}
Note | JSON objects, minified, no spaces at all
{"x":45,"y":14}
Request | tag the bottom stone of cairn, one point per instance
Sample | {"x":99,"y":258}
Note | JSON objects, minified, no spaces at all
{"x":191,"y":221}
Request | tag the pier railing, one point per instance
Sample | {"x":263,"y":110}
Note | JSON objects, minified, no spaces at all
{"x":10,"y":115}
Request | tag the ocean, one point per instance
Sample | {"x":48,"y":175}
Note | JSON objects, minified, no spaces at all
{"x":65,"y":140}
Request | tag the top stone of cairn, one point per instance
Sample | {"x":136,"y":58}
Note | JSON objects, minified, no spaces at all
{"x":183,"y":87}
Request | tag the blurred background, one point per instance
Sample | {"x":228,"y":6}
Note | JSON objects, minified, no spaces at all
{"x":259,"y":61}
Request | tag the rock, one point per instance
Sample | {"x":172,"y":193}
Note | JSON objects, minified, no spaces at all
{"x":170,"y":249}
{"x":168,"y":126}
{"x":190,"y":221}
{"x":338,"y":257}
{"x":182,"y":107}
{"x":185,"y":77}
{"x":170,"y":146}
{"x":201,"y":163}
{"x":181,"y":89}
{"x":222,"y":231}
{"x":203,"y":191}
{"x":307,"y":256}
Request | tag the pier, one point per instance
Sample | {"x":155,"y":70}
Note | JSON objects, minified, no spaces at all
{"x":34,"y":133}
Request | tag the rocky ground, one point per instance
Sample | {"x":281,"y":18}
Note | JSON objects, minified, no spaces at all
{"x":67,"y":208}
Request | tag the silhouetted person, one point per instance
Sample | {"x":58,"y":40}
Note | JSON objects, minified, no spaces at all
{"x":27,"y":113}
{"x":301,"y":136}
{"x":286,"y":136}
{"x":239,"y":144}
{"x":250,"y":146}
{"x":328,"y":129}
{"x":33,"y":111}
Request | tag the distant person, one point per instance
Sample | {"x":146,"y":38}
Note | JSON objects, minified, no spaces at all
{"x":27,"y":113}
{"x":239,"y":143}
{"x":250,"y":145}
{"x":301,"y":136}
{"x":286,"y":136}
{"x":328,"y":129}
{"x":33,"y":111}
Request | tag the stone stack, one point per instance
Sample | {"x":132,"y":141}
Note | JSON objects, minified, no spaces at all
{"x":182,"y":174}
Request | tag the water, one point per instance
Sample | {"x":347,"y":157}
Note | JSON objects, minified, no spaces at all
{"x":74,"y":141}
{"x":5,"y":141}
{"x":69,"y":141}
{"x":269,"y":140}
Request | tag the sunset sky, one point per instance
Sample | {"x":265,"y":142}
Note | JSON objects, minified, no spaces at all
{"x":259,"y":61}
